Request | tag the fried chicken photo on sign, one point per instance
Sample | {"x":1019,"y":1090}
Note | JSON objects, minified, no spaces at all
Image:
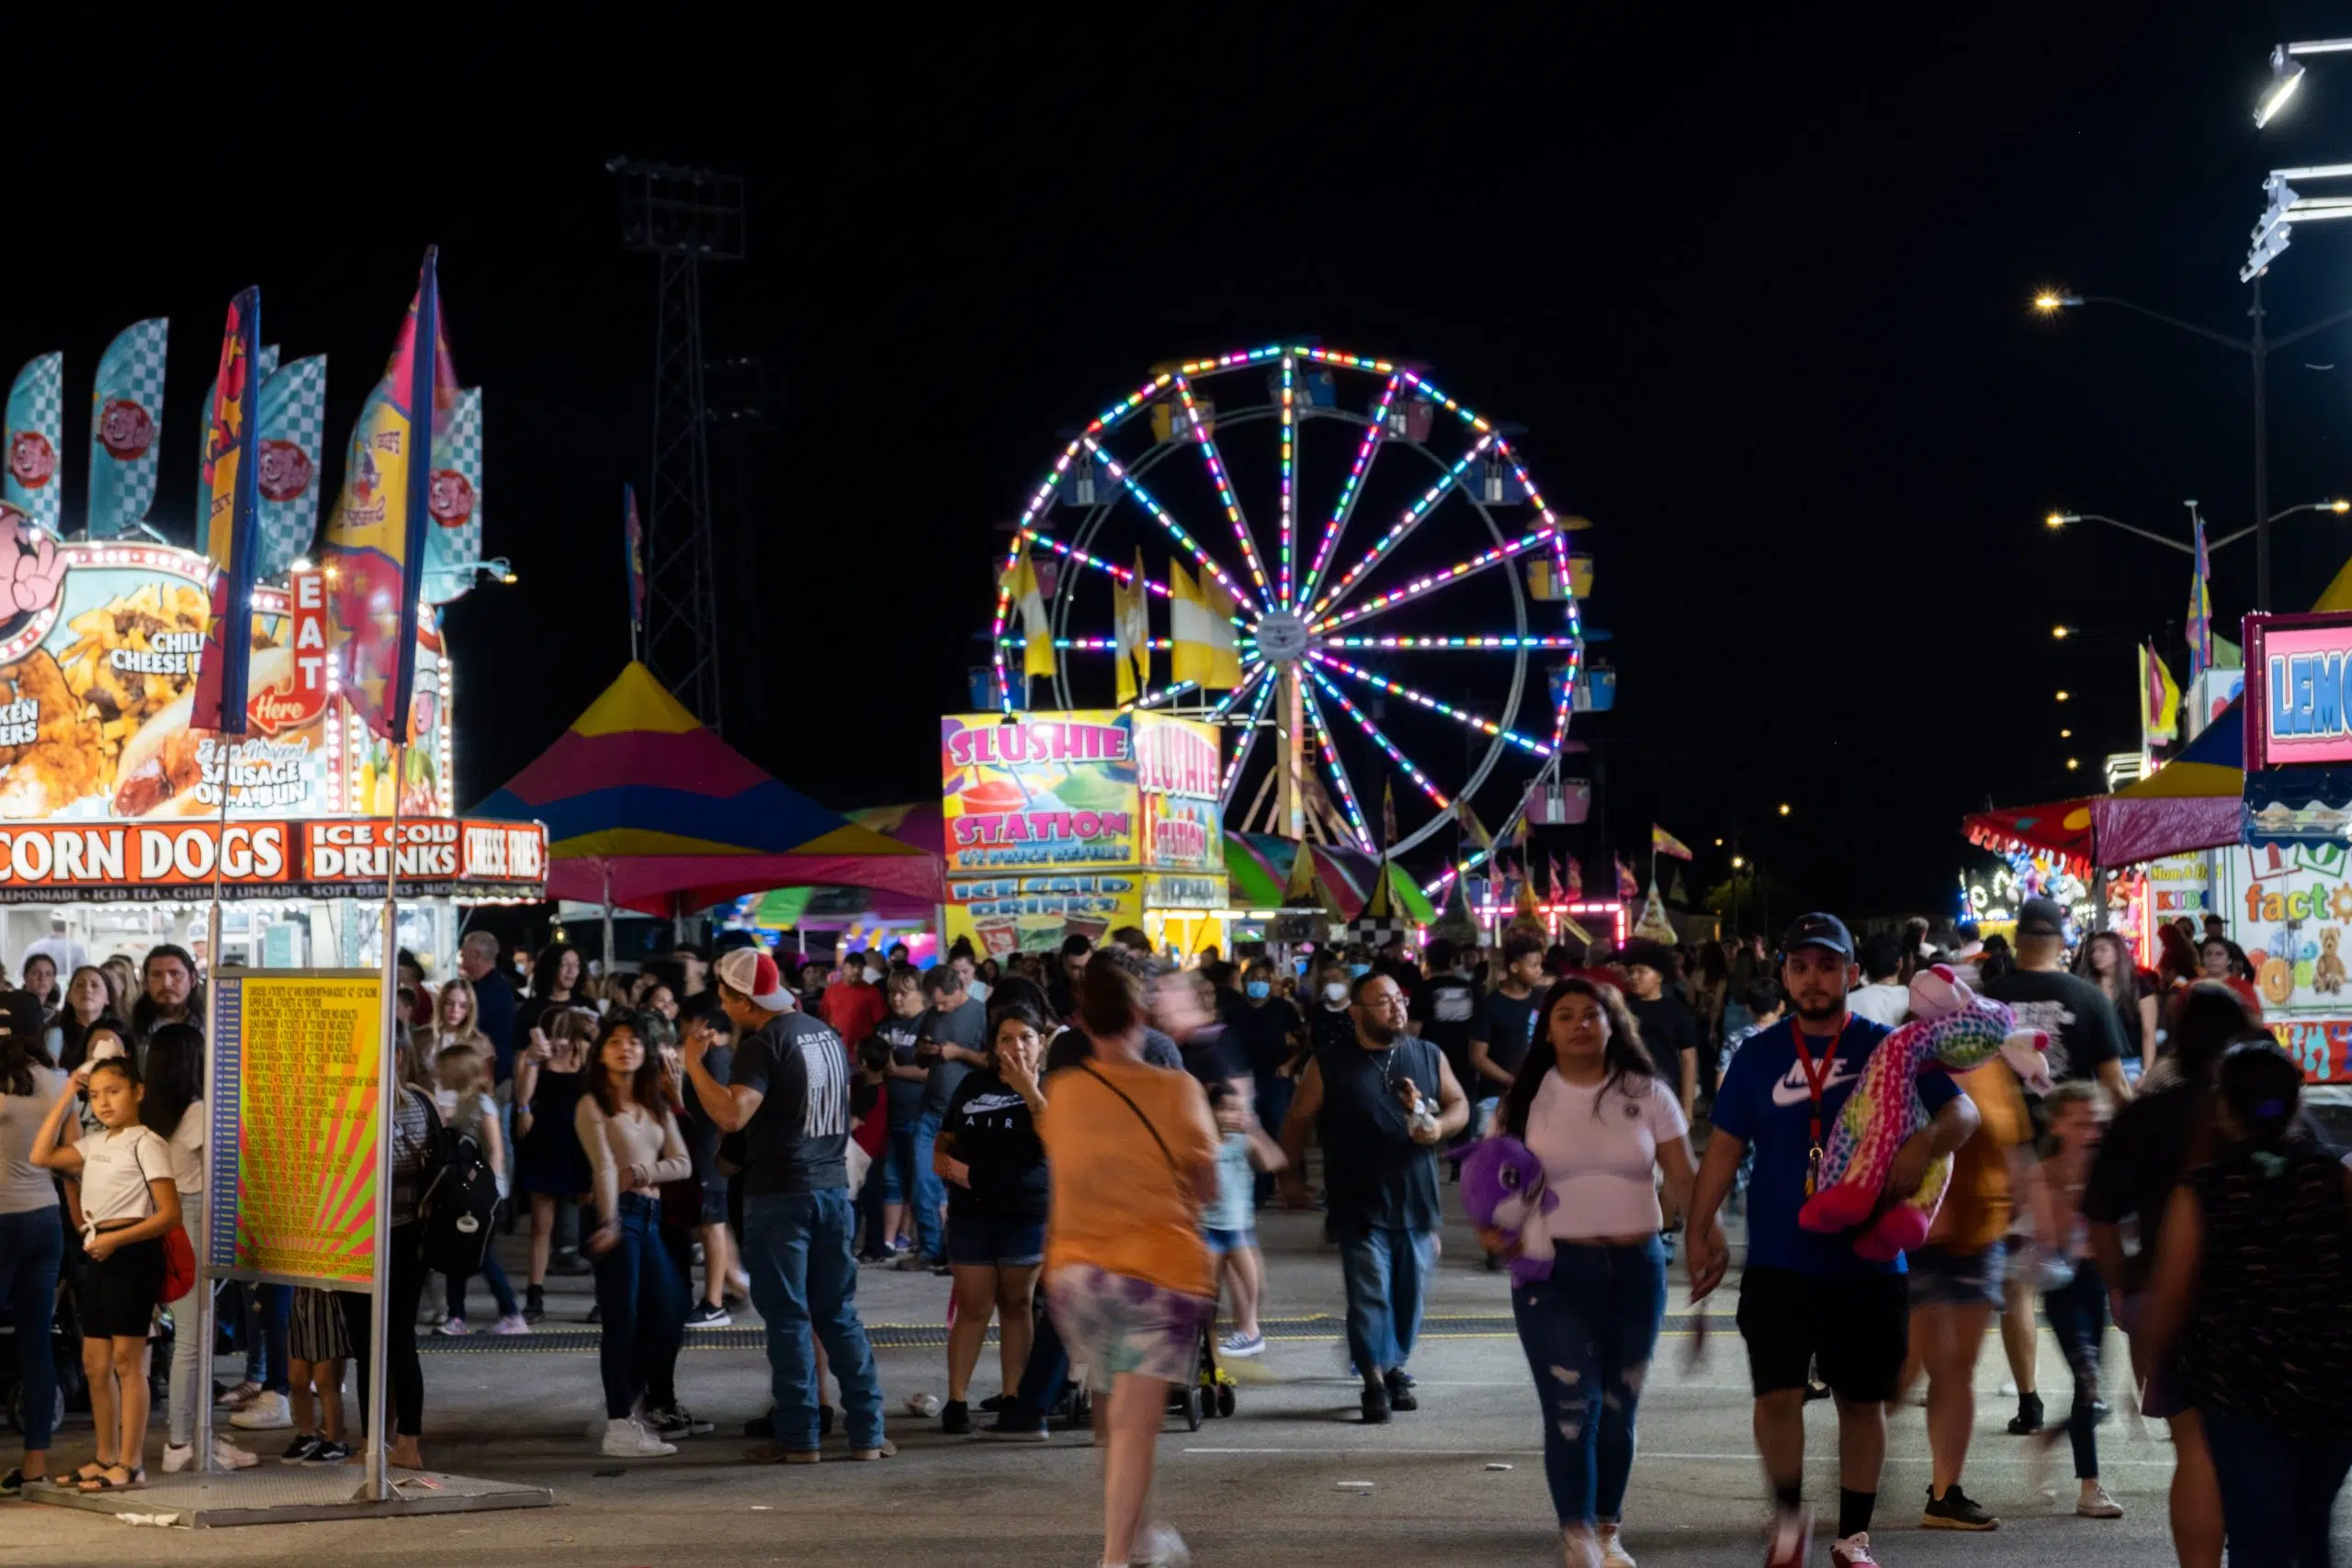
{"x":68,"y":762}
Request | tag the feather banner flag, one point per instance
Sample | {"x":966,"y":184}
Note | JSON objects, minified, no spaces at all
{"x":1131,"y":626}
{"x":1627,"y":887}
{"x":125,"y":411}
{"x":267,"y":367}
{"x":232,"y":484}
{"x":452,"y":544}
{"x":292,"y":458}
{"x":376,"y":536}
{"x":2159,"y":701}
{"x":1029,"y":601}
{"x":1665,"y":843}
{"x":633,"y":547}
{"x":2200,"y":612}
{"x":1200,"y":630}
{"x":1559,"y":888}
{"x":1576,"y":879}
{"x":34,"y":433}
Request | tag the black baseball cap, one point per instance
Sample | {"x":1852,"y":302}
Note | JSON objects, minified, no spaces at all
{"x":2041,"y":917}
{"x":1818,"y":929}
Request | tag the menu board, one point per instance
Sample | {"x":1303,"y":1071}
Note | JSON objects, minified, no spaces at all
{"x":295,"y":1094}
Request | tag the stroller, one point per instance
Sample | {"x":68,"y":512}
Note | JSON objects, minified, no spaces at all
{"x":1208,"y":1390}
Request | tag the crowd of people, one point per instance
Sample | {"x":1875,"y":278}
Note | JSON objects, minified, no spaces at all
{"x":1082,"y":1141}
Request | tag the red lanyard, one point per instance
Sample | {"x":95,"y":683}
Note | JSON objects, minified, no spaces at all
{"x":1816,"y":1079}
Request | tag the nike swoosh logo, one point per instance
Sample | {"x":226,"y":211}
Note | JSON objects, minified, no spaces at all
{"x":1794,"y":1090}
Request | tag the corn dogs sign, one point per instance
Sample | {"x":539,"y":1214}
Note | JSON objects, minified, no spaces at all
{"x":436,"y":857}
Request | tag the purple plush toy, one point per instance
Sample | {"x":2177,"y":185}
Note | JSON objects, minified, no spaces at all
{"x":1502,"y":1188}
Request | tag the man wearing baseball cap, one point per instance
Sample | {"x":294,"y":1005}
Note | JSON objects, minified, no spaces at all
{"x":787,"y":1091}
{"x":1805,"y":1298}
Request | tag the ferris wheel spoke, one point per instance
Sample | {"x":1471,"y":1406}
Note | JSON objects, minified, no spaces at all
{"x":1289,"y":395}
{"x":1410,"y":518}
{"x":1160,"y":514}
{"x":1448,"y":643}
{"x":1363,"y":721}
{"x":1338,"y":770}
{"x":1460,"y":715}
{"x":1252,"y":670}
{"x":1421,"y":587}
{"x":1071,"y":552}
{"x":1087,"y":643}
{"x":1153,"y":699}
{"x":1206,"y":440}
{"x":1248,"y":740}
{"x":1368,"y":448}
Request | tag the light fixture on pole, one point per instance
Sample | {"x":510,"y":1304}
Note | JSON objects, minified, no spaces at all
{"x":2286,"y":75}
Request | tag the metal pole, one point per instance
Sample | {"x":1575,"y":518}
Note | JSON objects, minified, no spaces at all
{"x":205,"y":1309}
{"x":2260,"y":351}
{"x":1290,"y":795}
{"x":387,"y":1090}
{"x":607,"y":867}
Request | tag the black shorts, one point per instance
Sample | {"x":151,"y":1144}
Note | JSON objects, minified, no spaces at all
{"x":1855,"y":1327}
{"x":115,"y":1297}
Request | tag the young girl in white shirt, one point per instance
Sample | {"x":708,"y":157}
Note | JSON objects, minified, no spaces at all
{"x":130,"y":1203}
{"x":1585,"y":1104}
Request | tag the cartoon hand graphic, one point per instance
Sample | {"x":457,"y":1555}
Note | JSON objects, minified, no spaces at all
{"x":34,"y":578}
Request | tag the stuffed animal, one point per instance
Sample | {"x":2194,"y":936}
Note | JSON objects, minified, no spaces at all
{"x":2329,"y":973}
{"x":1952,"y":1030}
{"x":1502,"y":1189}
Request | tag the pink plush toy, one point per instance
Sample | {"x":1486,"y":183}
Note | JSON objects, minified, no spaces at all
{"x":1952,"y":1030}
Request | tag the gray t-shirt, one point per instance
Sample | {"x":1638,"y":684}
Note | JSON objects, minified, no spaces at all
{"x":24,"y":1186}
{"x":967,"y":1026}
{"x":798,"y":1138}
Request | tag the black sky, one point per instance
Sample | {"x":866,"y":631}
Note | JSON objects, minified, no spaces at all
{"x":1757,"y":292}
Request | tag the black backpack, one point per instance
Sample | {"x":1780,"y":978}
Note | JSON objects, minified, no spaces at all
{"x":459,"y":1205}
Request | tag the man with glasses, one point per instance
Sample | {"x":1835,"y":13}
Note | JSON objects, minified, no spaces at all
{"x":1380,"y":1105}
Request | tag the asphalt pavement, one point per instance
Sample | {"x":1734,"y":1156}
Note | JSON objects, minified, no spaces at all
{"x":1280,"y":1482}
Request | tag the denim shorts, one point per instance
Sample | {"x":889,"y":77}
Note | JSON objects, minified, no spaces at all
{"x":1222,"y":1242}
{"x":978,"y":1242}
{"x":1958,"y":1278}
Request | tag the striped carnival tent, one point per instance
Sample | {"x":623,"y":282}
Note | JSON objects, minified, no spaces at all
{"x":1259,"y":866}
{"x":648,"y":809}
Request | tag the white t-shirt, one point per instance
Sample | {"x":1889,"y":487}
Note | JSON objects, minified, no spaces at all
{"x":1602,"y":1165}
{"x":116,"y":1169}
{"x":1884,"y":1003}
{"x":186,"y":1146}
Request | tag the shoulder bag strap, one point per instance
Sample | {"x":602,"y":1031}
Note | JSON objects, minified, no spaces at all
{"x":1088,"y":1068}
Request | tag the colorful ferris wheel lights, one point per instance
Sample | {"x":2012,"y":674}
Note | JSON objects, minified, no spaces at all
{"x":1363,"y":722}
{"x":1403,"y":525}
{"x":1087,"y":643}
{"x":1346,"y":505}
{"x":1128,"y":404}
{"x":1290,"y":457}
{"x":1251,"y":669}
{"x":1266,"y":691}
{"x":1125,"y":574}
{"x":1430,"y":644}
{"x":1160,"y":514}
{"x":1460,"y":715}
{"x":1435,"y":580}
{"x":1338,"y":771}
{"x":1207,"y":441}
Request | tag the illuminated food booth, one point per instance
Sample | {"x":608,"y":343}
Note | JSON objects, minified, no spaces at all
{"x":111,"y":812}
{"x":1080,"y":823}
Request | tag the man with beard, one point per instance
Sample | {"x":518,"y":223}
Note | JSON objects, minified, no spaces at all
{"x":1380,"y":1105}
{"x":167,"y":993}
{"x":1807,"y":1298}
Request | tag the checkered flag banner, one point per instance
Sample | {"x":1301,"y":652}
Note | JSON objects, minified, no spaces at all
{"x":125,"y":411}
{"x":454,"y":542}
{"x":34,"y":433}
{"x":265,"y":369}
{"x":293,"y":436}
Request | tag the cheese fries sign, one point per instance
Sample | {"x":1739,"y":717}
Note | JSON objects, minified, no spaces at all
{"x":98,"y":650}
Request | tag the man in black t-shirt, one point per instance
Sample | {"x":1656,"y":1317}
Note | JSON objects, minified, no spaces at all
{"x":1503,"y":1027}
{"x":1443,"y":1012}
{"x":1669,"y":1029}
{"x":2086,"y":1037}
{"x":787,"y":1090}
{"x":903,"y":1081}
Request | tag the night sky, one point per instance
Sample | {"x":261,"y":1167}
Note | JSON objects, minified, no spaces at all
{"x":1758,"y":296}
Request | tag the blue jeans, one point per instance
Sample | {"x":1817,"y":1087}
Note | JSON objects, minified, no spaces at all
{"x":32,"y":1245}
{"x":494,"y":1274}
{"x":1386,"y":1275}
{"x":930,"y":1193}
{"x":641,"y":1301}
{"x":898,"y":1163}
{"x":797,"y":1247}
{"x":2079,"y":1316}
{"x":1042,"y":1376}
{"x":1589,"y":1332}
{"x":2278,"y":1489}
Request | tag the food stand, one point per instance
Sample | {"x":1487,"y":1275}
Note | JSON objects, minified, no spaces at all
{"x":1080,"y":823}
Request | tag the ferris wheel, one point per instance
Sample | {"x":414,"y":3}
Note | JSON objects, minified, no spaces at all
{"x":1385,"y":563}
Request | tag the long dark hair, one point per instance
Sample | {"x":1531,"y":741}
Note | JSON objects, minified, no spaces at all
{"x":549,"y":964}
{"x":1623,"y":1055}
{"x":1000,"y":1014}
{"x":2123,"y":984}
{"x":23,"y":1047}
{"x":2263,"y":1087}
{"x":2205,"y":1018}
{"x":175,"y":1077}
{"x":1019,"y":989}
{"x":646,"y":1087}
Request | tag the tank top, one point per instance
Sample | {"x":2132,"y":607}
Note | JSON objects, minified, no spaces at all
{"x":1374,"y":1176}
{"x":2269,"y":1336}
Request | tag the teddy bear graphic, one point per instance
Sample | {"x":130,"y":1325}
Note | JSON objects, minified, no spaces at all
{"x":2328,"y":974}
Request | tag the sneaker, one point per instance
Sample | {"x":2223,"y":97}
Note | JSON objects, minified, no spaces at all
{"x":2095,"y":1504}
{"x":513,"y":1323}
{"x":454,"y":1327}
{"x":1792,"y":1540}
{"x":178,"y":1457}
{"x":1580,"y":1547}
{"x":300,"y":1448}
{"x":1854,"y":1551}
{"x":706,"y":1315}
{"x":1613,"y":1550}
{"x":1400,"y":1391}
{"x":2027,"y":1420}
{"x":1375,"y":1405}
{"x":955,"y":1419}
{"x":227,"y":1455}
{"x":624,"y":1438}
{"x":1239,"y":1344}
{"x":1157,"y":1546}
{"x":329,"y":1452}
{"x":1016,"y":1426}
{"x":677,"y":1421}
{"x":268,"y":1413}
{"x":534,"y":1304}
{"x":237,"y":1398}
{"x":1955,"y":1510}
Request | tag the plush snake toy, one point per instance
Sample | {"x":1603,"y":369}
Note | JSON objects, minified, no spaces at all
{"x":1502,"y":1188}
{"x":1952,"y":1030}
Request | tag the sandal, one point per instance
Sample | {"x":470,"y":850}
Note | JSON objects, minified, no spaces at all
{"x":132,"y":1480}
{"x":73,"y":1478}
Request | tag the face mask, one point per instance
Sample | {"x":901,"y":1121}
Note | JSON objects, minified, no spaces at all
{"x":1258,"y":990}
{"x":1335,"y":992}
{"x":871,"y":974}
{"x":980,"y":990}
{"x":1299,"y":967}
{"x":1358,"y":971}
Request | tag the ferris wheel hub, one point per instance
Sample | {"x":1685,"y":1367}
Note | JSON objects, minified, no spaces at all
{"x":1281,"y":637}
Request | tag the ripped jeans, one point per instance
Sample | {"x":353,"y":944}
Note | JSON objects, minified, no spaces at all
{"x":1589,"y":1332}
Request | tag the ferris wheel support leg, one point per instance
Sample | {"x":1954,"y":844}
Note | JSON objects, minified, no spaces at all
{"x":1290,"y":734}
